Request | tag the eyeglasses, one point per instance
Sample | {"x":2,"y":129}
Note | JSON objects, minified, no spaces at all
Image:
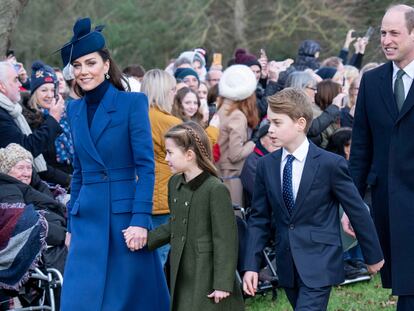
{"x":311,"y":88}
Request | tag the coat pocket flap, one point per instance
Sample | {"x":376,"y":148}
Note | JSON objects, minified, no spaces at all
{"x":205,"y":246}
{"x":75,"y":208}
{"x":122,"y":206}
{"x":325,"y":238}
{"x":372,"y":179}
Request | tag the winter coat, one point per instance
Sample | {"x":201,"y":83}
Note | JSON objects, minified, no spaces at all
{"x":203,"y":236}
{"x":161,"y":122}
{"x":234,"y":148}
{"x":112,"y":189}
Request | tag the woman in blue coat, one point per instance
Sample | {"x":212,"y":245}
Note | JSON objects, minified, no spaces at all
{"x":112,"y":187}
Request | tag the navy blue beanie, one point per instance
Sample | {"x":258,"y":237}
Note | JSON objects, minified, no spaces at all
{"x":326,"y":72}
{"x":181,"y":73}
{"x":83,"y":42}
{"x":41,"y":74}
{"x":309,"y":48}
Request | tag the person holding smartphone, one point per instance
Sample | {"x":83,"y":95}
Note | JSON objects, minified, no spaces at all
{"x":43,"y":99}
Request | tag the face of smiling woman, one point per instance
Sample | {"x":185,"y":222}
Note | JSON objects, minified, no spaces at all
{"x":90,"y":70}
{"x":45,"y":94}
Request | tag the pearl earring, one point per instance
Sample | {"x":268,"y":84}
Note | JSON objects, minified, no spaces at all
{"x":107,"y":76}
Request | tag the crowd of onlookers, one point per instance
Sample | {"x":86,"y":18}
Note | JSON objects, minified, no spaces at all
{"x":36,"y":154}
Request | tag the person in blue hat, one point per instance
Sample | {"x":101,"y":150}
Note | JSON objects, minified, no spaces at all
{"x":43,"y":98}
{"x":112,"y":186}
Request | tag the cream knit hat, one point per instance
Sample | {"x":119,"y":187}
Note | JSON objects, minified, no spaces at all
{"x":11,"y":155}
{"x":237,"y":82}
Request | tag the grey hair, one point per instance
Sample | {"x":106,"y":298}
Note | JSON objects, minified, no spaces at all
{"x":300,"y":80}
{"x":3,"y":70}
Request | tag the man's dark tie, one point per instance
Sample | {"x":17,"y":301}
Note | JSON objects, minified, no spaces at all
{"x":399,"y":93}
{"x":287,"y":190}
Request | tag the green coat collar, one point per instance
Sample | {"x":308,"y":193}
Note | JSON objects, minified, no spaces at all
{"x":195,"y":183}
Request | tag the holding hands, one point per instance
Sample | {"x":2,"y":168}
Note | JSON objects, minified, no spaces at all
{"x":135,"y":237}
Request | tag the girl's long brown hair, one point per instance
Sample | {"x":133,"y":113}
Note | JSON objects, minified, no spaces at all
{"x":247,"y":106}
{"x":178,"y":109}
{"x":191,"y":136}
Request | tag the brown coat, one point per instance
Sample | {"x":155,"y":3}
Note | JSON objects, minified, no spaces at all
{"x":203,"y":235}
{"x":234,"y":148}
{"x":161,"y":122}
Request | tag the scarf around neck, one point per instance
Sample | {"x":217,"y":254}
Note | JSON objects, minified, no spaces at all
{"x":15,"y":111}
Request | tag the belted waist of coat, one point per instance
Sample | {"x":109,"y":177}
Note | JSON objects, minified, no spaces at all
{"x":108,"y":175}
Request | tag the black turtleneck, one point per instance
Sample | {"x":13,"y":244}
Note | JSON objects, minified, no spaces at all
{"x":93,"y":99}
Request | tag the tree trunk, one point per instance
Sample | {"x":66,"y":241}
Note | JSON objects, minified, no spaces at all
{"x":10,"y":11}
{"x":240,"y":23}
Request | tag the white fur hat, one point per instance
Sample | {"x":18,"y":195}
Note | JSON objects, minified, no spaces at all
{"x":237,"y":83}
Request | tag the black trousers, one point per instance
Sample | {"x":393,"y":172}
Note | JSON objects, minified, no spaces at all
{"x":405,"y":303}
{"x":303,"y":298}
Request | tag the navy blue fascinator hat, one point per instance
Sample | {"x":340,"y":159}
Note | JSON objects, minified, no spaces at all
{"x":83,"y":42}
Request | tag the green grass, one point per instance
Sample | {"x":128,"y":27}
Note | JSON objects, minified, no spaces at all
{"x":362,"y":296}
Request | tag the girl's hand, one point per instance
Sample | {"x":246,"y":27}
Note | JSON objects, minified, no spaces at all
{"x":135,"y":237}
{"x":218,"y":295}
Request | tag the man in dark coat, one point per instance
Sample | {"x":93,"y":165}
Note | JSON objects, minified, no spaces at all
{"x":382,"y":150}
{"x":13,"y":126}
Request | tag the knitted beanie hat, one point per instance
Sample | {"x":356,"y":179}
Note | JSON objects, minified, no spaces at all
{"x":11,"y":155}
{"x":243,"y":58}
{"x":41,"y":74}
{"x":237,"y":82}
{"x":181,"y":73}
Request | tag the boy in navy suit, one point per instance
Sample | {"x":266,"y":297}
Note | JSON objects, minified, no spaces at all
{"x":297,"y":191}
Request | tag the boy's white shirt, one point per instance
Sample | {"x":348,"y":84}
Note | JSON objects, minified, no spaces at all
{"x":297,"y":165}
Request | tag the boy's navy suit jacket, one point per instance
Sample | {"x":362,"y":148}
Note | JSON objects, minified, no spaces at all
{"x":310,"y":237}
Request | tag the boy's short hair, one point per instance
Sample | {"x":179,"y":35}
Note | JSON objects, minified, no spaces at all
{"x":294,"y":103}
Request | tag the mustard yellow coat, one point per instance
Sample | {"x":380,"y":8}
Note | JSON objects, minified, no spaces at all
{"x":161,"y":122}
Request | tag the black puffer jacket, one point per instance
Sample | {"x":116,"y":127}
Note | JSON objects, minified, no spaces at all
{"x":14,"y":191}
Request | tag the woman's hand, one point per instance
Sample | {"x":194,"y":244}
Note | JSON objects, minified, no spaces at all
{"x":135,"y":237}
{"x":57,"y":108}
{"x":218,"y":295}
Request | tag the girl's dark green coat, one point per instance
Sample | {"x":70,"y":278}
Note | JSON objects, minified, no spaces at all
{"x":203,"y":235}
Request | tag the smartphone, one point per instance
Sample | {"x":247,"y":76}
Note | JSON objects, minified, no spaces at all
{"x":56,"y":91}
{"x":369,"y":33}
{"x":217,"y":59}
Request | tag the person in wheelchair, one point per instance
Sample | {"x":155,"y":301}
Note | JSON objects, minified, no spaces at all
{"x":15,"y":178}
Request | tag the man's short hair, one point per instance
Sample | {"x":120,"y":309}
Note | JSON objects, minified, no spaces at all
{"x":409,"y":14}
{"x":294,"y":103}
{"x":3,"y":70}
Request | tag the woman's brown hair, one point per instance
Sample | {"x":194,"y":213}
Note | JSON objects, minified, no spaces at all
{"x":191,"y":136}
{"x":115,"y":75}
{"x":178,"y":109}
{"x":326,"y":92}
{"x":247,"y":106}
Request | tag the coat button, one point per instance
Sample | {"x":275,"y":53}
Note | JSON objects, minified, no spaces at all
{"x":175,"y":200}
{"x":172,"y":235}
{"x":186,"y":203}
{"x":291,"y":226}
{"x":184,"y":221}
{"x":183,"y":238}
{"x":104,"y":176}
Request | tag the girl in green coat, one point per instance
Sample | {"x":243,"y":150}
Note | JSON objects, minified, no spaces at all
{"x":202,"y":228}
